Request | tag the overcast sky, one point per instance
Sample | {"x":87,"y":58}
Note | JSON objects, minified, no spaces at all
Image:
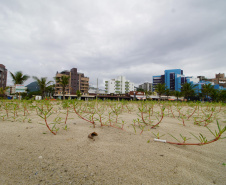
{"x":108,"y":38}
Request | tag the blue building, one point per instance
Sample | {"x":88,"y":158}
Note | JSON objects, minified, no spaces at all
{"x":172,"y":78}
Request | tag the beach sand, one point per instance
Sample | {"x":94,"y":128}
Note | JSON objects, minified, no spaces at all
{"x":30,"y":154}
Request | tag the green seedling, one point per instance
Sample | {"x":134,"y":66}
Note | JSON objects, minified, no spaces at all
{"x":158,"y":136}
{"x":201,"y":138}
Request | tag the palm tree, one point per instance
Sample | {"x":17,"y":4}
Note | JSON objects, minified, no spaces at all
{"x":188,"y":89}
{"x":215,"y":94}
{"x":50,"y":90}
{"x":42,"y":83}
{"x":3,"y":91}
{"x":19,"y":78}
{"x":207,"y":89}
{"x":160,"y":89}
{"x":167,"y":93}
{"x":177,"y":94}
{"x":63,"y":81}
{"x":222,"y":95}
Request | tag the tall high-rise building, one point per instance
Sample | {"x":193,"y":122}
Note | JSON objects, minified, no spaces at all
{"x":173,"y":79}
{"x":3,"y":76}
{"x":118,"y":85}
{"x":146,"y":86}
{"x":77,"y":81}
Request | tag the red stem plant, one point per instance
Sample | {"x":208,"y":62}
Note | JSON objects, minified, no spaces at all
{"x":67,"y":106}
{"x":46,"y":114}
{"x":181,"y":115}
{"x":202,"y":140}
{"x":206,"y":120}
{"x":162,"y":115}
{"x":75,"y":104}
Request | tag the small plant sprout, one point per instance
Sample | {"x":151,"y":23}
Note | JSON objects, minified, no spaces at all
{"x":158,"y":136}
{"x":201,"y":138}
{"x":134,"y":128}
{"x":65,"y":127}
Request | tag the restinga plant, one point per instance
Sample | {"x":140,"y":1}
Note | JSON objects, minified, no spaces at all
{"x":202,"y":139}
{"x":67,"y":106}
{"x":158,"y":135}
{"x":142,"y":111}
{"x":162,"y":115}
{"x":45,"y":114}
{"x":75,"y":104}
{"x":206,"y":119}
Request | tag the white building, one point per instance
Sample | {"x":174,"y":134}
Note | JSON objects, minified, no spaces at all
{"x":146,"y":86}
{"x":118,"y":85}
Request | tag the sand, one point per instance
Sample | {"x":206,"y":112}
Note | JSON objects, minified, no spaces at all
{"x":30,"y":154}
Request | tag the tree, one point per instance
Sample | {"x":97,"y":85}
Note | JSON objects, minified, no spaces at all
{"x":63,"y":81}
{"x":177,"y":94}
{"x":167,"y":93}
{"x":222,"y":95}
{"x":42,"y":83}
{"x":78,"y":93}
{"x":207,"y":89}
{"x":19,"y":78}
{"x":188,"y":89}
{"x":160,"y":89}
{"x":215,"y":95}
{"x":147,"y":93}
{"x":140,"y":90}
{"x":50,"y":90}
{"x":3,"y":91}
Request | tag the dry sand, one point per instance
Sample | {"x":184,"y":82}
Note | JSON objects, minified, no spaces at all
{"x":30,"y":154}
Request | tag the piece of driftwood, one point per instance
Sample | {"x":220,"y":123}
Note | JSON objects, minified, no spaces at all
{"x":91,"y":135}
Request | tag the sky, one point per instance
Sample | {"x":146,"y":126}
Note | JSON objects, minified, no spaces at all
{"x":107,"y":38}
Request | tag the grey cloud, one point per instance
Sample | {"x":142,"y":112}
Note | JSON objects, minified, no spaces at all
{"x":105,"y":39}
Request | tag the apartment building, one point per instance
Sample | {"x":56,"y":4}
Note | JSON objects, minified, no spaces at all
{"x":146,"y":86}
{"x":77,"y":81}
{"x":219,"y":79}
{"x":118,"y":85}
{"x":160,"y":79}
{"x":3,"y":76}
